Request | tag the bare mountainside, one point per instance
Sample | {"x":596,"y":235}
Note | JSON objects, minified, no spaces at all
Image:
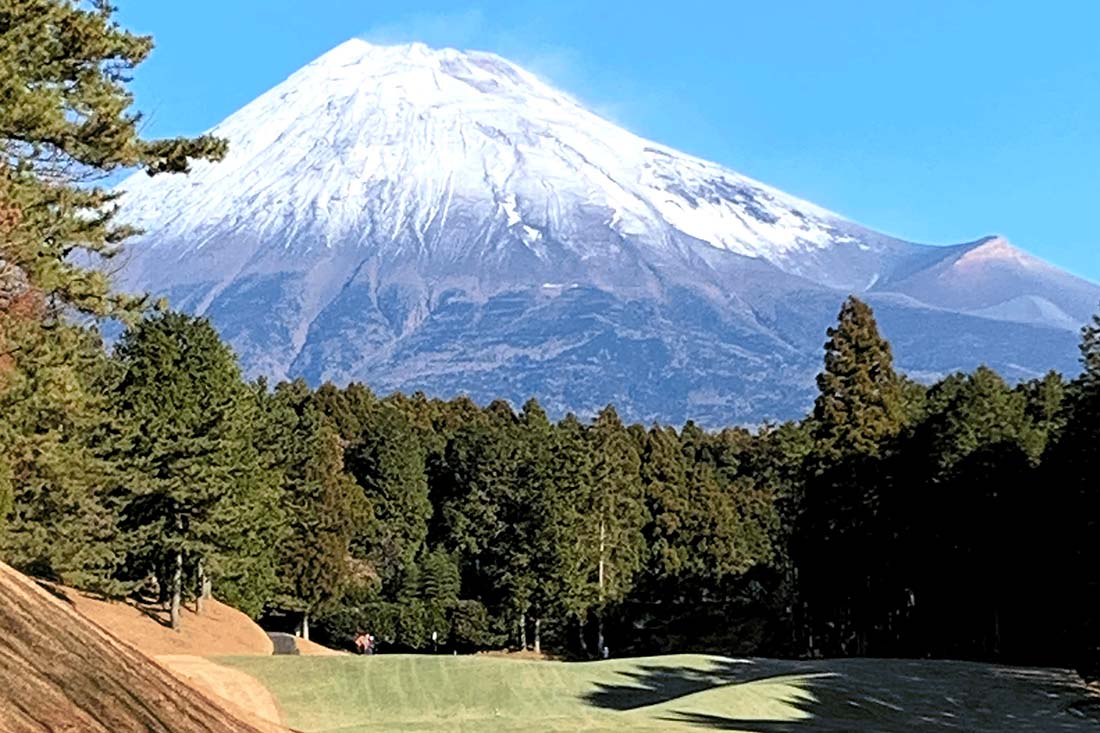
{"x":445,"y":221}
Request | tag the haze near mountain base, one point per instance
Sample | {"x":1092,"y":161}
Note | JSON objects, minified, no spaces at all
{"x":445,"y":221}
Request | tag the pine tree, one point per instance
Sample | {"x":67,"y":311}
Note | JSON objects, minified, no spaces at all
{"x":196,"y":499}
{"x":964,"y":513}
{"x":776,"y":458}
{"x":65,"y":124}
{"x":466,"y":487}
{"x":53,"y":411}
{"x":568,"y":540}
{"x":542,"y":499}
{"x":732,"y":512}
{"x":1045,"y":401}
{"x":348,"y":409}
{"x":520,"y":504}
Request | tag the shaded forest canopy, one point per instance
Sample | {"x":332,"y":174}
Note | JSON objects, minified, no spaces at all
{"x":955,"y":520}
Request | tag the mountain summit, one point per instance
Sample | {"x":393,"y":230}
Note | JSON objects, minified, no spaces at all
{"x":444,"y":220}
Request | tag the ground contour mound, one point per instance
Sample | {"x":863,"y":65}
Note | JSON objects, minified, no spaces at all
{"x":60,"y":672}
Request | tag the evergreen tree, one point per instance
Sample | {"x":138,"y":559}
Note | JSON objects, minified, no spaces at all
{"x":541,"y":501}
{"x":520,"y":504}
{"x":976,"y":452}
{"x":347,"y":409}
{"x":1045,"y":408}
{"x":845,"y":518}
{"x":53,"y":410}
{"x":571,"y":466}
{"x":664,"y":474}
{"x":324,"y":507}
{"x":197,"y":503}
{"x":1072,"y":465}
{"x":860,"y":401}
{"x":1090,"y":355}
{"x":776,"y":458}
{"x":466,"y":486}
{"x":64,"y":124}
{"x":735,"y":511}
{"x":614,"y":518}
{"x":388,"y":463}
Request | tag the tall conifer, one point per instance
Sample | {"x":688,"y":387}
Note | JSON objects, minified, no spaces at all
{"x":196,"y":498}
{"x":860,"y":401}
{"x":615,"y":517}
{"x":859,"y":409}
{"x":324,"y":508}
{"x":387,"y":461}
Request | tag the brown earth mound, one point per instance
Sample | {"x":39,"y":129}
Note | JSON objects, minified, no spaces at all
{"x":60,"y":672}
{"x":241,"y":693}
{"x":220,"y":630}
{"x":312,"y":648}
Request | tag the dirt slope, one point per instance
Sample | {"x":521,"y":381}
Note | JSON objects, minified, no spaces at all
{"x":241,"y":693}
{"x":60,"y":672}
{"x":220,"y":630}
{"x":312,"y":648}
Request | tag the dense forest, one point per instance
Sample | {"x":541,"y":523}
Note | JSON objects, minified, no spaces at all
{"x":956,"y":519}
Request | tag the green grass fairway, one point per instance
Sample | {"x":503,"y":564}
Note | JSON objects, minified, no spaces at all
{"x":677,"y":693}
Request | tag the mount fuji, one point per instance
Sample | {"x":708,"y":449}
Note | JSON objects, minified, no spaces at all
{"x":444,"y":221}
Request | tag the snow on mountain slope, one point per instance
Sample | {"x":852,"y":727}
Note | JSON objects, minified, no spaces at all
{"x":423,"y":132}
{"x":444,"y":220}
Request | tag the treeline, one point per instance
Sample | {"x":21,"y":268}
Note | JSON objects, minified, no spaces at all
{"x":405,"y":515}
{"x":954,"y":520}
{"x":897,"y":519}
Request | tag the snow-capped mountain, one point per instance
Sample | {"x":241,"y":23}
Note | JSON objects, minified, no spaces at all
{"x":444,"y":220}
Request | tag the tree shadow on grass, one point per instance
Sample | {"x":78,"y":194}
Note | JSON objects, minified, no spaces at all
{"x":900,"y":696}
{"x":654,"y":684}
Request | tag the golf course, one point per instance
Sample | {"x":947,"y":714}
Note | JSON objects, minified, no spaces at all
{"x":418,"y":394}
{"x":673,"y":693}
{"x":67,"y":657}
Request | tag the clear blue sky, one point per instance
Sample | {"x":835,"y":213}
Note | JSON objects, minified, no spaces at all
{"x":935,"y":121}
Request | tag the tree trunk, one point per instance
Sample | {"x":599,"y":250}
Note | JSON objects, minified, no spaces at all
{"x":522,"y":632}
{"x":204,"y":590}
{"x":602,"y":542}
{"x":580,"y":637}
{"x":177,"y":592}
{"x":996,"y":631}
{"x":599,"y":612}
{"x":538,"y":636}
{"x":305,"y":625}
